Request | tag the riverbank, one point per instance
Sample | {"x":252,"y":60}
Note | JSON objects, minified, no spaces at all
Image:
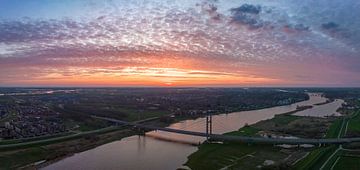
{"x":25,"y":154}
{"x":73,"y":147}
{"x":326,"y":102}
{"x":298,"y":109}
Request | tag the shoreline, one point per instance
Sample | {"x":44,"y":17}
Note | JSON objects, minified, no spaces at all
{"x":128,"y":133}
{"x":326,"y":102}
{"x":299,"y":109}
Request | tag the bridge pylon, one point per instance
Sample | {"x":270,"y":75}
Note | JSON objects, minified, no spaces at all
{"x":208,"y":126}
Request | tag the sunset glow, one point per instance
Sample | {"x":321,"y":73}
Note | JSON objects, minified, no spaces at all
{"x":181,"y":43}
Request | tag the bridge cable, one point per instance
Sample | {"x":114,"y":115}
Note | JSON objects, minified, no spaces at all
{"x":220,"y":125}
{"x":198,"y":122}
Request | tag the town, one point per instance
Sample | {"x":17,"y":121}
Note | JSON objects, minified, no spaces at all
{"x":30,"y":121}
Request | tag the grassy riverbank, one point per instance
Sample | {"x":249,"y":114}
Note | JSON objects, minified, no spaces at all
{"x":14,"y":156}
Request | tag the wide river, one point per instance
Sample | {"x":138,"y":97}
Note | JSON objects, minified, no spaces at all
{"x":153,"y":152}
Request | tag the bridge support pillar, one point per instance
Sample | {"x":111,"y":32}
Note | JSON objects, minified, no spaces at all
{"x":208,"y":126}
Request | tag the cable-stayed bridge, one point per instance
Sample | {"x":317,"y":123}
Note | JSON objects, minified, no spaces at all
{"x":220,"y":137}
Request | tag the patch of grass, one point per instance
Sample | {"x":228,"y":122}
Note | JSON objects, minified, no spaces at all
{"x":37,"y":138}
{"x":348,"y":163}
{"x":10,"y":116}
{"x":22,"y":158}
{"x":134,"y":116}
{"x":354,"y":123}
{"x":92,"y":124}
{"x":316,"y":158}
{"x":244,"y":131}
{"x":324,"y":156}
{"x":334,"y":129}
{"x":6,"y":99}
{"x":277,"y":121}
{"x":232,"y":156}
{"x":284,"y":119}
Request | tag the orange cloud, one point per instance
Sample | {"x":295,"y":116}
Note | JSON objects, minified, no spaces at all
{"x":146,"y":76}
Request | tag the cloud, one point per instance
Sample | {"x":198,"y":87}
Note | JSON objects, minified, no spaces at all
{"x":219,"y":38}
{"x":247,"y":14}
{"x":298,"y":27}
{"x":247,"y":8}
{"x":329,"y":25}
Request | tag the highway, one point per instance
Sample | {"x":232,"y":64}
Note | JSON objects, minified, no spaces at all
{"x":220,"y":137}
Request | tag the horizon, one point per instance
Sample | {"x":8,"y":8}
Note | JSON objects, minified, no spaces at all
{"x":190,"y":43}
{"x":175,"y":87}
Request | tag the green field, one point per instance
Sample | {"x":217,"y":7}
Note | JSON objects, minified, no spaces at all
{"x":354,"y":124}
{"x":233,"y":156}
{"x":334,"y":128}
{"x":316,"y":158}
{"x":348,"y":163}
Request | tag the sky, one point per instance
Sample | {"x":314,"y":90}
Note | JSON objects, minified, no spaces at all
{"x":216,"y":43}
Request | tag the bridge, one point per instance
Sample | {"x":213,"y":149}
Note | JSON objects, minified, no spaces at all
{"x":220,"y":137}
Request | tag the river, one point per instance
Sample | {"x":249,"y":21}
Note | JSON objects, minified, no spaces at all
{"x":148,"y":152}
